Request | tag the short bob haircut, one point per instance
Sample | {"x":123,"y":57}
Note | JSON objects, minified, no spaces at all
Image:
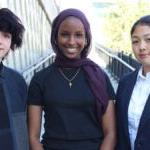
{"x":10,"y":23}
{"x":145,"y":20}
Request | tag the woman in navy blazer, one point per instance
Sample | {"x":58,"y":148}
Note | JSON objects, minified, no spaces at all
{"x":133,"y":94}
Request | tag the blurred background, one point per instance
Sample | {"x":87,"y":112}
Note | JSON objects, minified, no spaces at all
{"x":110,"y":21}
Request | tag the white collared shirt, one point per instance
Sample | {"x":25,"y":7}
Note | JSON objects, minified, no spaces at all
{"x":138,"y":100}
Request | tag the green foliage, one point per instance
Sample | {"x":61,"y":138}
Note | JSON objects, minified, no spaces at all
{"x":119,"y":22}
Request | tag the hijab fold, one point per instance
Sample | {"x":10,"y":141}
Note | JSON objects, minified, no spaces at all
{"x":95,"y":77}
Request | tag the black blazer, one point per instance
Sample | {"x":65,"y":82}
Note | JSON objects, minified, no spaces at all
{"x":124,"y":92}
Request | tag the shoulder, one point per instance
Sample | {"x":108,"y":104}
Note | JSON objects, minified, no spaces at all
{"x":15,"y":83}
{"x":126,"y":82}
{"x":103,"y":73}
{"x":45,"y":73}
{"x":128,"y":77}
{"x":11,"y":74}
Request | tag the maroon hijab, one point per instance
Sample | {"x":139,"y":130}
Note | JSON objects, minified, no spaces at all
{"x":94,"y":73}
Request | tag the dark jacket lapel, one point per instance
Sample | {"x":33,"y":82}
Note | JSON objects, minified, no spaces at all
{"x":145,"y":115}
{"x":130,"y":86}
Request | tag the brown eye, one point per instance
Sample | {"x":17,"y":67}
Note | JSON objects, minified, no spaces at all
{"x":134,"y":42}
{"x":79,"y":35}
{"x":64,"y":34}
{"x":7,"y":35}
{"x":148,"y":40}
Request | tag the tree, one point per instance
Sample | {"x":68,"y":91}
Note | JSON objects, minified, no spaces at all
{"x":119,"y":21}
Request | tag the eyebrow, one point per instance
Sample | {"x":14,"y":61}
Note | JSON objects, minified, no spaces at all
{"x":145,"y":35}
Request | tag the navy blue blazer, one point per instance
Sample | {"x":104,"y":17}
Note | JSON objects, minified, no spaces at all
{"x":13,"y":99}
{"x":124,"y":92}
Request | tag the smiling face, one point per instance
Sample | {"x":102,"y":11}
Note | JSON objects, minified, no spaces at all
{"x":71,"y":37}
{"x":141,"y":45}
{"x":5,"y":43}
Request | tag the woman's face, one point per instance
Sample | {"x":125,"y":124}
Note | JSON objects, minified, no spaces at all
{"x":141,"y":45}
{"x":71,"y":37}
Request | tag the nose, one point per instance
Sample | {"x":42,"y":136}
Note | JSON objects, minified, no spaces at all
{"x":142,"y":45}
{"x":71,"y":40}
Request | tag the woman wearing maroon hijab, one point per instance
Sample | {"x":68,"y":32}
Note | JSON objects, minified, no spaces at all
{"x":74,"y":93}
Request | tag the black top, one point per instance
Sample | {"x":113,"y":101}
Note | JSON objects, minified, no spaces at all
{"x":70,"y":113}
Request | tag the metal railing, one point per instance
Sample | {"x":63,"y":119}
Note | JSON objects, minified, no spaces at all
{"x":118,"y":64}
{"x":37,"y":66}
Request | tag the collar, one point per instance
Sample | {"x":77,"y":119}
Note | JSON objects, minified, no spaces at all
{"x":141,"y":76}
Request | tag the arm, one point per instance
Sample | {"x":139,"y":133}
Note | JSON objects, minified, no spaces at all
{"x":34,"y":126}
{"x":109,"y":128}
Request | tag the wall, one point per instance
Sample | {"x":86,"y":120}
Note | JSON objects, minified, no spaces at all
{"x":36,"y":16}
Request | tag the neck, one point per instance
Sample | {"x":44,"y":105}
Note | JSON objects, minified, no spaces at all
{"x":145,"y":70}
{"x":68,"y":63}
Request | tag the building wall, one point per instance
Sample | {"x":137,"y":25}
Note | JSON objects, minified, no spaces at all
{"x":36,"y":16}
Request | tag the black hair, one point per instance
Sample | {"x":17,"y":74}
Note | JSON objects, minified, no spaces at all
{"x":145,"y":20}
{"x":10,"y":23}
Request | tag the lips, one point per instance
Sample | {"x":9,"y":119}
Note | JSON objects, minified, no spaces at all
{"x":143,"y":55}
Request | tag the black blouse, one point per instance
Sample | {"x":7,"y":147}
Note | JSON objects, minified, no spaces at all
{"x":70,"y":113}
